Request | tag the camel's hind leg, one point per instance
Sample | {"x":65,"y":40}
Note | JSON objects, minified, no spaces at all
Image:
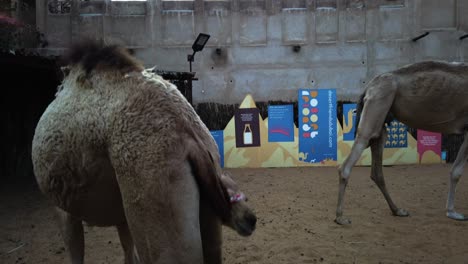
{"x":211,"y":234}
{"x":377,"y":147}
{"x":73,"y":235}
{"x":127,"y":244}
{"x":455,"y":174}
{"x":162,"y":210}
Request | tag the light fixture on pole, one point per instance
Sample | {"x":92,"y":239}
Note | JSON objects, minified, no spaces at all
{"x":197,"y":46}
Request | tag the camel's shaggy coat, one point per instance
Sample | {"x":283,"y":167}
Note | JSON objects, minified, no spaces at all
{"x":120,"y":146}
{"x":427,"y":95}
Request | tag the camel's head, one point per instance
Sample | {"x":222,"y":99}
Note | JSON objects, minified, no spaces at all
{"x":243,"y":219}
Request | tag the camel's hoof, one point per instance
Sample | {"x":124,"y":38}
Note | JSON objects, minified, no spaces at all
{"x":401,"y":212}
{"x":457,"y":216}
{"x":342,"y":220}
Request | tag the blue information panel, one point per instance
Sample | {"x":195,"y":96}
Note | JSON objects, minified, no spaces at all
{"x":397,"y":135}
{"x":349,"y":121}
{"x":317,"y":125}
{"x":218,"y":136}
{"x":280,"y":123}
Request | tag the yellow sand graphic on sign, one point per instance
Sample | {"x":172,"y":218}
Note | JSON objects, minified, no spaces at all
{"x":430,"y":157}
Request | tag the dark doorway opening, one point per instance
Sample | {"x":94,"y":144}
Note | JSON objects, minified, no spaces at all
{"x":29,"y":83}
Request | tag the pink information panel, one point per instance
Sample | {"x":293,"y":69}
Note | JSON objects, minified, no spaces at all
{"x":429,"y":146}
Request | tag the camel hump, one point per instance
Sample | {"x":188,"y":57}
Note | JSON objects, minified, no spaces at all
{"x":207,"y":173}
{"x":95,"y":56}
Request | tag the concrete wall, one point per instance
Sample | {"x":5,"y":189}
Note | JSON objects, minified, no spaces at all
{"x":269,"y":48}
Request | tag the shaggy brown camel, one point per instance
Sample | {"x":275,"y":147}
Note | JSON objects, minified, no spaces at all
{"x":427,"y":95}
{"x":120,"y":146}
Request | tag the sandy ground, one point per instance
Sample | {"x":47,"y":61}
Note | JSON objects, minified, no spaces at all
{"x":296,"y":209}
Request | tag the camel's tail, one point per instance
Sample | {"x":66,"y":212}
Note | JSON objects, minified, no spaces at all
{"x":207,"y":172}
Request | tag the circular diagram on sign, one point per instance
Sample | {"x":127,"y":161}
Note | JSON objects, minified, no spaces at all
{"x":314,"y":102}
{"x":314,"y":118}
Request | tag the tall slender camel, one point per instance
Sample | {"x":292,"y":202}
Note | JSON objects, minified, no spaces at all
{"x":120,"y":146}
{"x":428,"y":95}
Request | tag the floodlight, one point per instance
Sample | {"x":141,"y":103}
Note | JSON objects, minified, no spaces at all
{"x":198,"y":45}
{"x":200,"y":42}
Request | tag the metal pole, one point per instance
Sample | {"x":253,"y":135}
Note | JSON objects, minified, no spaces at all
{"x":190,"y":58}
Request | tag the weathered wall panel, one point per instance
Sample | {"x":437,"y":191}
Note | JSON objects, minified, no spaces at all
{"x":355,"y":24}
{"x":329,"y":42}
{"x":435,"y":15}
{"x":89,"y":26}
{"x":393,"y":23}
{"x":218,"y":22}
{"x":462,"y":10}
{"x":253,"y":23}
{"x":129,"y":30}
{"x":294,"y":25}
{"x":326,"y":25}
{"x":178,"y":27}
{"x":58,"y":30}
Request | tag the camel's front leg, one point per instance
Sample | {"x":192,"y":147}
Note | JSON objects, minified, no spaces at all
{"x":127,"y":244}
{"x":211,"y":234}
{"x":372,"y":119}
{"x":73,"y":235}
{"x":344,"y":173}
{"x":377,"y":148}
{"x":455,"y":174}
